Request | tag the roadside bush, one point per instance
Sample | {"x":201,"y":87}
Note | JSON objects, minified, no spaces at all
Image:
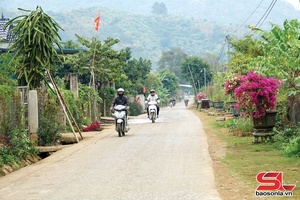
{"x":244,"y":125}
{"x":95,"y":126}
{"x":48,"y":131}
{"x":293,"y":148}
{"x":135,"y":109}
{"x":16,"y":146}
{"x":286,"y":136}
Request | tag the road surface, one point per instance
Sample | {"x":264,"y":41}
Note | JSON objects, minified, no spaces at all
{"x":164,"y":160}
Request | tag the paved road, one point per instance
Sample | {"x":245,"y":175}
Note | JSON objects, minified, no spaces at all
{"x":165,"y":160}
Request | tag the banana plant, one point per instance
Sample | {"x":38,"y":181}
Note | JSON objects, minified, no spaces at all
{"x":34,"y":45}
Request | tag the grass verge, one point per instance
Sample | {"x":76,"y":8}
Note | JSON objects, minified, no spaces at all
{"x":242,"y":161}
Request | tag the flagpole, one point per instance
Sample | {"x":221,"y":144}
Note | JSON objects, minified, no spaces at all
{"x":92,"y":81}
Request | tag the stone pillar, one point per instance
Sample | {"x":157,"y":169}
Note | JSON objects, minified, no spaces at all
{"x":33,"y":119}
{"x":62,"y":116}
{"x":74,"y":84}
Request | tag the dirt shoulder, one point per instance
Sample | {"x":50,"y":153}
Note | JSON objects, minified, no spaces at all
{"x":228,"y":185}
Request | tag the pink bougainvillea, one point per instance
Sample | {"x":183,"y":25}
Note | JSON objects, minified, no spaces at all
{"x":95,"y":126}
{"x":231,"y":83}
{"x":256,"y":94}
{"x":200,"y":95}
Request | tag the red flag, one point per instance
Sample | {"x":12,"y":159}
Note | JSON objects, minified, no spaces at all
{"x":97,"y":21}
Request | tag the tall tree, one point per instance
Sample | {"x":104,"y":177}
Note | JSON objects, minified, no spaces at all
{"x":170,"y":81}
{"x":101,"y":58}
{"x":35,"y":37}
{"x":159,"y":8}
{"x":281,"y":52}
{"x":136,"y":70}
{"x":195,"y":69}
{"x":171,"y":60}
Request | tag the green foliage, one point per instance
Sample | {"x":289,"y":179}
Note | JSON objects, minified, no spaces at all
{"x":6,"y":77}
{"x":136,"y":71}
{"x":36,"y":34}
{"x":171,"y":60}
{"x":75,"y":106}
{"x":244,"y":125}
{"x":135,"y":108}
{"x":11,"y":110}
{"x":286,"y":136}
{"x":230,"y":123}
{"x":15,"y":147}
{"x":152,"y":81}
{"x":199,"y":69}
{"x":86,"y":121}
{"x":276,"y":55}
{"x":170,"y":81}
{"x":108,"y":93}
{"x":293,"y":148}
{"x":101,"y":58}
{"x":48,"y":131}
{"x":86,"y":93}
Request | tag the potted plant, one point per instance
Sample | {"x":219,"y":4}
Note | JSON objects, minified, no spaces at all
{"x":256,"y":96}
{"x":231,"y":83}
{"x":201,"y":99}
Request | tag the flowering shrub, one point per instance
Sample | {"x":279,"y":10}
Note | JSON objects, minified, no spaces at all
{"x":256,"y":94}
{"x":231,"y":83}
{"x":95,"y":126}
{"x":201,"y":95}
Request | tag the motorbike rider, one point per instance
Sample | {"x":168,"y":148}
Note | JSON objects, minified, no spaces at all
{"x":153,"y":97}
{"x":121,"y":99}
{"x":186,"y":98}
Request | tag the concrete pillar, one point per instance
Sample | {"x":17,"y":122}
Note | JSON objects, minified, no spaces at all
{"x":74,"y":84}
{"x":62,"y":116}
{"x":33,"y":119}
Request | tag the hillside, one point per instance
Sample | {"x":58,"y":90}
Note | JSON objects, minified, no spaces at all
{"x":225,"y":11}
{"x":196,"y":26}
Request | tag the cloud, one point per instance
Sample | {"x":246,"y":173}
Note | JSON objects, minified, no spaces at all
{"x":294,"y":3}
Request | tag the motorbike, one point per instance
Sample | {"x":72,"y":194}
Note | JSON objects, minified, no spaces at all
{"x":186,"y":101}
{"x":120,"y":119}
{"x":152,"y":111}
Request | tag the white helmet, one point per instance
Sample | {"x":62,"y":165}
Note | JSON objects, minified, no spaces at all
{"x":120,"y":90}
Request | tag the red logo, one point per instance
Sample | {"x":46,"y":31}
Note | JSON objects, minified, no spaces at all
{"x":272,"y":181}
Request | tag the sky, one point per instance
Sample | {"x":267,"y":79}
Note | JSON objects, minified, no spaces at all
{"x":295,"y":3}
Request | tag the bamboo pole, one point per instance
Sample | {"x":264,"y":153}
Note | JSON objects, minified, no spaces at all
{"x":65,"y":106}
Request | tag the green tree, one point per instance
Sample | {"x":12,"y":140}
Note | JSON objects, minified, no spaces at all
{"x":6,"y":77}
{"x":70,"y":44}
{"x":101,"y":58}
{"x":34,"y":47}
{"x":170,"y":81}
{"x":171,"y":60}
{"x":244,"y":51}
{"x":281,"y":51}
{"x":195,"y":68}
{"x":159,"y":8}
{"x":136,"y":70}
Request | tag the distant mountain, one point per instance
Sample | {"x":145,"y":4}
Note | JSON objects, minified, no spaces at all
{"x":196,"y":26}
{"x":224,"y":11}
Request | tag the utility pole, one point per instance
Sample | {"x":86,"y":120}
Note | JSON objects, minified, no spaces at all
{"x":195,"y":90}
{"x":228,"y":40}
{"x":204,"y":79}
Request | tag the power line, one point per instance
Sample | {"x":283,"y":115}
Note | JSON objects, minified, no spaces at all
{"x":265,"y":15}
{"x":267,"y":12}
{"x":249,"y":16}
